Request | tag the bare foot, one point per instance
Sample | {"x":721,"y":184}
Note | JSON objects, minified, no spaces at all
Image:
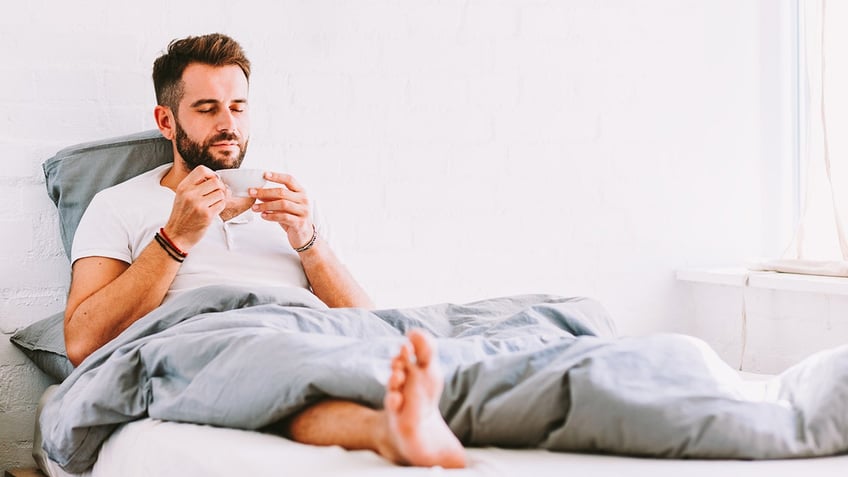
{"x":416,"y":432}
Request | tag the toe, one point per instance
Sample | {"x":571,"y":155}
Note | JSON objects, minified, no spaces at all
{"x":396,"y":380}
{"x":423,"y":347}
{"x":393,"y":401}
{"x":399,"y":363}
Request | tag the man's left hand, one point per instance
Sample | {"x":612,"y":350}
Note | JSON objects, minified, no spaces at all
{"x":287,"y":205}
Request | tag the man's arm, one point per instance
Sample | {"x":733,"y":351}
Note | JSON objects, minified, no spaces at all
{"x":107,"y":295}
{"x":289,"y":206}
{"x":330,"y":280}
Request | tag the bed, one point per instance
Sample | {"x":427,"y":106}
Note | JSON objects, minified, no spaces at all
{"x":212,"y":451}
{"x":711,"y":421}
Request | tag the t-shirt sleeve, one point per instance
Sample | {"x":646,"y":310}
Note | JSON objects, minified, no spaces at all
{"x":101,"y":233}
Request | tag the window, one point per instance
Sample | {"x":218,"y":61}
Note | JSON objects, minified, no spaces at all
{"x":820,"y":244}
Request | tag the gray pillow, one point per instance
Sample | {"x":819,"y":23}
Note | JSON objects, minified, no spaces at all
{"x":44,"y":343}
{"x":74,"y":175}
{"x":78,"y":172}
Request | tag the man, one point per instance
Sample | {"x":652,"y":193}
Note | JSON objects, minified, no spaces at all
{"x":178,"y":227}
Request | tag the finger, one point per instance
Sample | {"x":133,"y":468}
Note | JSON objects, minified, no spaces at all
{"x":282,"y":207}
{"x":208,"y":191}
{"x":201,"y":181}
{"x":201,"y":174}
{"x":277,"y":193}
{"x":286,"y":179}
{"x":288,"y":221}
{"x":211,"y":186}
{"x":216,"y":198}
{"x":206,"y":196}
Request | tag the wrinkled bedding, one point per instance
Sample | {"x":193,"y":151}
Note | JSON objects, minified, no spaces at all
{"x":526,"y":371}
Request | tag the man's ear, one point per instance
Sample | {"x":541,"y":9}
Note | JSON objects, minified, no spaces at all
{"x":165,"y":121}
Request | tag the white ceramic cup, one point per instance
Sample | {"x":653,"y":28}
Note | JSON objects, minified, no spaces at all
{"x":240,"y":180}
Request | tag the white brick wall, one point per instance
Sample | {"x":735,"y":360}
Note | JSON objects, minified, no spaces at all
{"x":462,"y":149}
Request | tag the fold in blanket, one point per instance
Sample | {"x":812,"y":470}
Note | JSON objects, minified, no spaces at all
{"x":524,"y":371}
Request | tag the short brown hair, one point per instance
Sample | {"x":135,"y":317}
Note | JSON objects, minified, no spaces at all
{"x":214,"y":49}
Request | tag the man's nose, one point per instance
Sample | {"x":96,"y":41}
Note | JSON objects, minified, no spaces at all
{"x":227,"y":121}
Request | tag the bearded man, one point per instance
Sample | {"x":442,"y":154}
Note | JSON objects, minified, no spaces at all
{"x":178,"y":228}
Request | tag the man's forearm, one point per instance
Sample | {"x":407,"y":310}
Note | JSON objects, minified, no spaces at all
{"x":105,"y":313}
{"x":331,"y":281}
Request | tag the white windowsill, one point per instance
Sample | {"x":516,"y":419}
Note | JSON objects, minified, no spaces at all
{"x":766,"y":280}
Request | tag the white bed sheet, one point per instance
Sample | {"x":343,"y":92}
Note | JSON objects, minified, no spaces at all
{"x":156,"y":448}
{"x":150,"y":447}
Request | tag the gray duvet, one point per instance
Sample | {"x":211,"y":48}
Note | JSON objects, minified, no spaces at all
{"x":525,"y":371}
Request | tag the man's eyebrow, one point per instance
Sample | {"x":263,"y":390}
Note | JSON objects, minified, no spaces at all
{"x":201,"y":102}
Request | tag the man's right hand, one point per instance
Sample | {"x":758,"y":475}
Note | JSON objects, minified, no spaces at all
{"x":98,"y":283}
{"x":200,"y":197}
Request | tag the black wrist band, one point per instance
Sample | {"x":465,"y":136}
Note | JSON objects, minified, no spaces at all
{"x":311,"y":241}
{"x":166,"y":247}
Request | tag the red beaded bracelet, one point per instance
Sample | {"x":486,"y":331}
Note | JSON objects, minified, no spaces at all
{"x":171,"y":243}
{"x":167,"y":248}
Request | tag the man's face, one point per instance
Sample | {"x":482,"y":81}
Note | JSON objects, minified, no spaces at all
{"x":213,"y":125}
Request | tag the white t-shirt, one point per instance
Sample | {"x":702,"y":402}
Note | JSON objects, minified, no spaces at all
{"x":245,"y":250}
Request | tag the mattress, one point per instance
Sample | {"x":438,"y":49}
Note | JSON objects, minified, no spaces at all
{"x":152,"y":447}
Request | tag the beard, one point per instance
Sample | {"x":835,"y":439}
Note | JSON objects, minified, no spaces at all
{"x":199,"y":154}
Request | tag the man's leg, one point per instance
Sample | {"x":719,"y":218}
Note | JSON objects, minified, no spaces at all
{"x":409,"y":430}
